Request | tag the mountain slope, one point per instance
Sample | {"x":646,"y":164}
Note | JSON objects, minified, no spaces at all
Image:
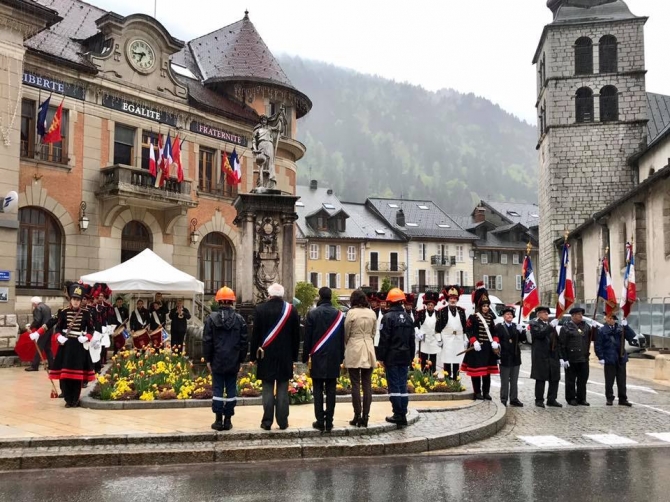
{"x":369,"y":136}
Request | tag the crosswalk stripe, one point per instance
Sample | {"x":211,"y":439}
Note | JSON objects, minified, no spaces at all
{"x":545,"y":441}
{"x":609,"y":439}
{"x":663,"y":436}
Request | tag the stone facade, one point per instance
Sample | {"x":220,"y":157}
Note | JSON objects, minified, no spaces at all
{"x":584,"y":166}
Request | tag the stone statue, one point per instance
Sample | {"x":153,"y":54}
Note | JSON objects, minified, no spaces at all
{"x":264,"y":147}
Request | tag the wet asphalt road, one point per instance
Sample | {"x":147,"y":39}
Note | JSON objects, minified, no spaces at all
{"x":611,"y":474}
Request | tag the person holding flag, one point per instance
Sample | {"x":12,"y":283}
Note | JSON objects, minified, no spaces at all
{"x":566,"y":288}
{"x":323,"y":348}
{"x":608,"y":349}
{"x":530,"y":296}
{"x":605,"y":287}
{"x":575,"y":347}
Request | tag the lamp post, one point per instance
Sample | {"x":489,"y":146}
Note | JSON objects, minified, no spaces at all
{"x":83,"y":219}
{"x":194,"y":235}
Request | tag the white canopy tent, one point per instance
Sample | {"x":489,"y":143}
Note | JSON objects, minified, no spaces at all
{"x":146,"y":273}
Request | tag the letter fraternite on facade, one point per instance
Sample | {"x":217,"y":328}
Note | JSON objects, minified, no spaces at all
{"x":264,"y":147}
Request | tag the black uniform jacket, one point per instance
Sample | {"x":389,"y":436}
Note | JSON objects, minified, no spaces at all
{"x":224,"y":341}
{"x":544,"y":352}
{"x":327,"y":360}
{"x":396,"y":338}
{"x":510,"y":348}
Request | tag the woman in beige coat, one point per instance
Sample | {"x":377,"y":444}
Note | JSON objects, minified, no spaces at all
{"x":360,"y":328}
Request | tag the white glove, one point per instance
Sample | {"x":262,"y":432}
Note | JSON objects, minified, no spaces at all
{"x":61,"y":339}
{"x":602,"y":362}
{"x":478,"y":346}
{"x":34,"y":336}
{"x":519,"y":328}
{"x":554,"y":323}
{"x":466,"y":344}
{"x":440,"y":343}
{"x":96,"y":345}
{"x":82,"y":339}
{"x":27,"y":327}
{"x":624,"y":322}
{"x":420,"y":336}
{"x":495,"y":345}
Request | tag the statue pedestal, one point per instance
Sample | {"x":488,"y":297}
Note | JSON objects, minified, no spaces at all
{"x":267,"y":251}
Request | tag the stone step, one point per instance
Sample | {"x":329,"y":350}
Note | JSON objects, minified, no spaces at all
{"x":430,"y":430}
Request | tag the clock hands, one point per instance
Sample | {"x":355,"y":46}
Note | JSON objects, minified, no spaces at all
{"x":140,"y":54}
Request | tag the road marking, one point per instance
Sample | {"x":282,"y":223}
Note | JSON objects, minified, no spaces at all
{"x":609,"y":439}
{"x":663,"y":436}
{"x":629,"y":386}
{"x":548,"y":441}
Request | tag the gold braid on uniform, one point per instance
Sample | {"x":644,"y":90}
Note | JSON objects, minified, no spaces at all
{"x":481,"y":335}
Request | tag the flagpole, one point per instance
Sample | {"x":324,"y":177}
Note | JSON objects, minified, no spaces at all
{"x":523,"y":277}
{"x":622,"y":345}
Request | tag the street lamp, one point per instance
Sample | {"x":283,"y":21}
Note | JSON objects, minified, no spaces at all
{"x":194,"y":235}
{"x":83,"y":219}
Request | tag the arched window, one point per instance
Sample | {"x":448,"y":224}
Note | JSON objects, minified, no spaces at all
{"x":135,"y":238}
{"x":216,"y":262}
{"x":583,"y":56}
{"x":608,"y":54}
{"x":584,"y":105}
{"x":609,"y":104}
{"x":40,"y":250}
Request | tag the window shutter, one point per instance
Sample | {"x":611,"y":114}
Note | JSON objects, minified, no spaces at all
{"x":316,"y":253}
{"x":358,"y":280}
{"x":318,"y":281}
{"x":465,"y":279}
{"x":518,"y":283}
{"x":499,"y":285}
{"x":337,"y":280}
{"x":338,"y":253}
{"x":486,"y":281}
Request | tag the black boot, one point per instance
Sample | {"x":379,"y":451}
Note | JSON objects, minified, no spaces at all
{"x":356,"y":420}
{"x":318,"y":425}
{"x":227,"y":424}
{"x":218,"y":423}
{"x":363,"y":421}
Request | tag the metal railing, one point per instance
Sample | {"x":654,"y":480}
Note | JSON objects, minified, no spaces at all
{"x":139,"y":181}
{"x":386,"y":266}
{"x":442,"y":261}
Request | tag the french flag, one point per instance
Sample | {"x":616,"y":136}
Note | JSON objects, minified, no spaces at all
{"x":566,"y":288}
{"x":629,"y":294}
{"x":531,"y":296}
{"x":152,"y":159}
{"x":605,"y":288}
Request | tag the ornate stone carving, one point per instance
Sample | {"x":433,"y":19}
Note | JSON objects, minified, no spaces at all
{"x":264,"y":147}
{"x":266,"y":255}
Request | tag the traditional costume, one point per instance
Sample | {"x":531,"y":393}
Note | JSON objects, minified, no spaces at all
{"x":428,"y":340}
{"x":451,"y":325}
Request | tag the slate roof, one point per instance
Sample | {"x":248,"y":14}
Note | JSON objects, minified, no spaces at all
{"x":78,"y":18}
{"x":528,"y":213}
{"x":658,"y":112}
{"x":200,"y":95}
{"x":588,"y":11}
{"x":361,"y":224}
{"x":426,"y":219}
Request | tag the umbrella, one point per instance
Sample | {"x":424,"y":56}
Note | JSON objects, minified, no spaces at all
{"x":25,"y":348}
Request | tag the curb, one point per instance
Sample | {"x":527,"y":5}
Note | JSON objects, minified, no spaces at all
{"x":215,"y":447}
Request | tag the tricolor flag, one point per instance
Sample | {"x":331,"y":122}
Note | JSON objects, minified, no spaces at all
{"x":159,"y":163}
{"x":176,"y":158}
{"x":42,"y":117}
{"x":566,"y":288}
{"x":605,"y":288}
{"x":167,"y":158}
{"x":52,"y":135}
{"x":235,"y":163}
{"x":531,"y":296}
{"x":152,"y":158}
{"x":629,"y":293}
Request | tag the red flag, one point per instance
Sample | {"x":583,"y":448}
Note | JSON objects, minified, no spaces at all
{"x":52,"y":134}
{"x":531,"y":296}
{"x":629,"y":294}
{"x":231,"y":179}
{"x":152,"y":159}
{"x":176,"y":158}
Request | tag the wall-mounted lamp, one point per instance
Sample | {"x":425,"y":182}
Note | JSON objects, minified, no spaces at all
{"x":37,"y":177}
{"x":194,"y":235}
{"x":83,"y":219}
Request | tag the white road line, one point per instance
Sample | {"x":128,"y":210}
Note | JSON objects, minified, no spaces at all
{"x":548,"y":441}
{"x":609,"y":439}
{"x":629,"y":386}
{"x":663,"y":436}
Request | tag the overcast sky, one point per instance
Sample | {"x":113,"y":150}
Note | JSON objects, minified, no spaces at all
{"x":480,"y":46}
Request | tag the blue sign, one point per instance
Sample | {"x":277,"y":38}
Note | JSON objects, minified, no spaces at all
{"x":4,"y":275}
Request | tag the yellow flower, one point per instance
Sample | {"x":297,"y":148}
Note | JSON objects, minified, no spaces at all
{"x":147,"y":396}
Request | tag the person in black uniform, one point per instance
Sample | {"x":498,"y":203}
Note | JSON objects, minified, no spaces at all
{"x":510,"y":336}
{"x":275,"y":344}
{"x":179,"y":317}
{"x":545,"y":366}
{"x":157,"y":319}
{"x":575,"y":346}
{"x":324,"y":346}
{"x":139,"y":318}
{"x":609,"y":349}
{"x":162,"y":305}
{"x":118,"y":315}
{"x":72,"y":365}
{"x":482,"y":361}
{"x":41,"y":315}
{"x":396,"y":351}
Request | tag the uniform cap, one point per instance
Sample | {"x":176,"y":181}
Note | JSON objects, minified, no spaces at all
{"x":577,"y":310}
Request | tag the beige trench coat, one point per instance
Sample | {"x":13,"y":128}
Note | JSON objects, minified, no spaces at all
{"x":360,"y":328}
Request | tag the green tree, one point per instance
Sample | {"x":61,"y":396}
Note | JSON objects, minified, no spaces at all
{"x":306,"y":293}
{"x":386,"y":285}
{"x":334,"y":300}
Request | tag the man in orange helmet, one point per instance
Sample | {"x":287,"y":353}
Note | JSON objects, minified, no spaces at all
{"x":224,"y":347}
{"x":396,"y":350}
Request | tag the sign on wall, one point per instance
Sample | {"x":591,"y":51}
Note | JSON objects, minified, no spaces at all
{"x":214,"y":132}
{"x":5,"y":275}
{"x":50,"y":84}
{"x":139,"y":110}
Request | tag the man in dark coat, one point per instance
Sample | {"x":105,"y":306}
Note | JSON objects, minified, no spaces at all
{"x":275,"y":344}
{"x":545,"y":365}
{"x":224,"y":344}
{"x":609,"y":349}
{"x":324,"y":346}
{"x":575,"y":346}
{"x":396,"y":350}
{"x":179,"y":317}
{"x":510,"y":336}
{"x":41,"y":315}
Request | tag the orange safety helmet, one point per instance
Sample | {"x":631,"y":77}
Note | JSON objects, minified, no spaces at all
{"x":395,"y":295}
{"x":225,"y":294}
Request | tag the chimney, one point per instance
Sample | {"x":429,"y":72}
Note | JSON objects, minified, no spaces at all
{"x":313,"y":185}
{"x":400,"y":218}
{"x":329,"y":191}
{"x":480,"y":214}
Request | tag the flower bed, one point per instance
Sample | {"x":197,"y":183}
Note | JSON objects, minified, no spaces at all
{"x":164,"y":375}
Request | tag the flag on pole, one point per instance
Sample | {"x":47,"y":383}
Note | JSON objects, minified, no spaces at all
{"x":176,"y":157}
{"x":227,"y":169}
{"x":42,"y":118}
{"x":52,"y":135}
{"x":167,"y":158}
{"x":152,"y":158}
{"x":566,"y":288}
{"x":235,"y":163}
{"x":159,"y":163}
{"x":531,"y":296}
{"x":605,"y":288}
{"x":629,"y":293}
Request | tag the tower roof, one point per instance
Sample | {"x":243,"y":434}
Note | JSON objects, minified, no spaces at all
{"x":586,"y":11}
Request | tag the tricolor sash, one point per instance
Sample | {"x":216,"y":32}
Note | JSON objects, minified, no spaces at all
{"x":329,"y":333}
{"x":278,"y":327}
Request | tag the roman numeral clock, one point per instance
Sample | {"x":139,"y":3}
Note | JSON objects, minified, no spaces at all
{"x":141,"y":55}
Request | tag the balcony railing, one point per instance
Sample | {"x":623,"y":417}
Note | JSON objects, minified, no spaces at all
{"x":127,"y":181}
{"x":422,"y":288}
{"x":442,"y":261}
{"x":386,"y":266}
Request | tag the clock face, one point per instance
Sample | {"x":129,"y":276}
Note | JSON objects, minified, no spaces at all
{"x":141,"y":55}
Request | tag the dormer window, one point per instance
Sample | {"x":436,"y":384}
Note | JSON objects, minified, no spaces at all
{"x":423,"y":207}
{"x":380,"y":232}
{"x":341,"y":225}
{"x":321,"y":223}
